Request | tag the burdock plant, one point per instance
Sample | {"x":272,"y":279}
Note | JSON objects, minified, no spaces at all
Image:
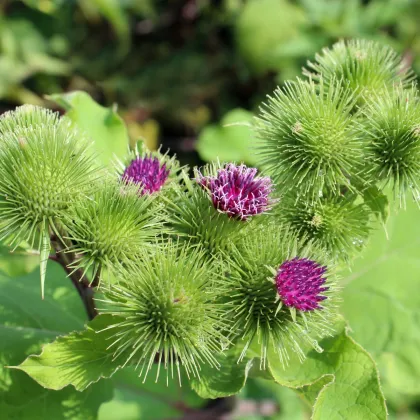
{"x":219,"y":205}
{"x":224,"y":271}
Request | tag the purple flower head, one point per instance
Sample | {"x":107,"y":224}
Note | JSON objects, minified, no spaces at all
{"x":299,"y":283}
{"x":148,"y":172}
{"x":236,"y":191}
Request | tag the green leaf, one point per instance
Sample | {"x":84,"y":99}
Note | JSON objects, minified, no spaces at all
{"x":150,"y":400}
{"x":103,"y":125}
{"x":79,"y":358}
{"x":18,"y":262}
{"x":377,"y":202}
{"x":342,"y":382}
{"x":381,"y":301}
{"x":230,"y":141}
{"x":226,"y":381}
{"x":27,"y":322}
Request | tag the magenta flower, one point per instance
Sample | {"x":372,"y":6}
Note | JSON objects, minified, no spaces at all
{"x":147,"y":172}
{"x":236,"y":191}
{"x":299,"y":283}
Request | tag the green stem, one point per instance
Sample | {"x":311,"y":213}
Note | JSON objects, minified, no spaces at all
{"x":80,"y":281}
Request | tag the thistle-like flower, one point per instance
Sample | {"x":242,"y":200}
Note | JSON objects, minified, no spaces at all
{"x":113,"y":226}
{"x":367,"y":66}
{"x":148,"y":172}
{"x":307,"y":140}
{"x":45,"y":168}
{"x":166,"y":312}
{"x":299,"y":283}
{"x":151,"y":171}
{"x":390,"y":131}
{"x":236,"y":191}
{"x":273,"y":294}
{"x":337,"y":225}
{"x":203,"y":215}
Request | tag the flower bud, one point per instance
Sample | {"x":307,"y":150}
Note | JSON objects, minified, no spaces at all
{"x":390,"y":131}
{"x":165,"y":312}
{"x":368,"y":67}
{"x":26,"y":116}
{"x":113,"y":226}
{"x":276,"y":298}
{"x":219,"y":206}
{"x":334,"y":224}
{"x":151,"y":171}
{"x":306,"y":138}
{"x":45,"y":168}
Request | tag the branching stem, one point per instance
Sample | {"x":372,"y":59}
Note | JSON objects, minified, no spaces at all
{"x":78,"y":277}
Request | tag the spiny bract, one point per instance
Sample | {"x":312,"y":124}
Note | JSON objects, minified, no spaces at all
{"x":194,"y":215}
{"x":391,"y":132}
{"x":113,"y":226}
{"x":367,"y":66}
{"x":152,"y":171}
{"x":259,"y":306}
{"x":337,"y":225}
{"x":306,"y":138}
{"x":44,"y":170}
{"x":26,"y":116}
{"x":166,"y":313}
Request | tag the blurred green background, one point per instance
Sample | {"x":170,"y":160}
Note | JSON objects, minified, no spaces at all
{"x":181,"y":69}
{"x":183,"y":72}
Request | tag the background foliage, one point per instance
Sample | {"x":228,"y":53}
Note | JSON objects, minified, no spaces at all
{"x":183,"y":73}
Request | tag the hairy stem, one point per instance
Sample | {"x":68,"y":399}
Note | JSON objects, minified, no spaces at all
{"x":78,"y":277}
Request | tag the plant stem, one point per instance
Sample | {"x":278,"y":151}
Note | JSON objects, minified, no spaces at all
{"x":78,"y":277}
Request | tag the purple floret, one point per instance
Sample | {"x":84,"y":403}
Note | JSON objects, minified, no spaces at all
{"x":236,"y":191}
{"x":148,"y":172}
{"x":300,"y":284}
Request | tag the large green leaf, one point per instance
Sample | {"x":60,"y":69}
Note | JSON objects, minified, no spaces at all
{"x":382,"y":303}
{"x":17,"y":263}
{"x":342,"y":382}
{"x":27,"y":322}
{"x":79,"y":358}
{"x":82,"y":358}
{"x":105,"y":127}
{"x":230,"y":141}
{"x":223,"y":382}
{"x":150,"y":400}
